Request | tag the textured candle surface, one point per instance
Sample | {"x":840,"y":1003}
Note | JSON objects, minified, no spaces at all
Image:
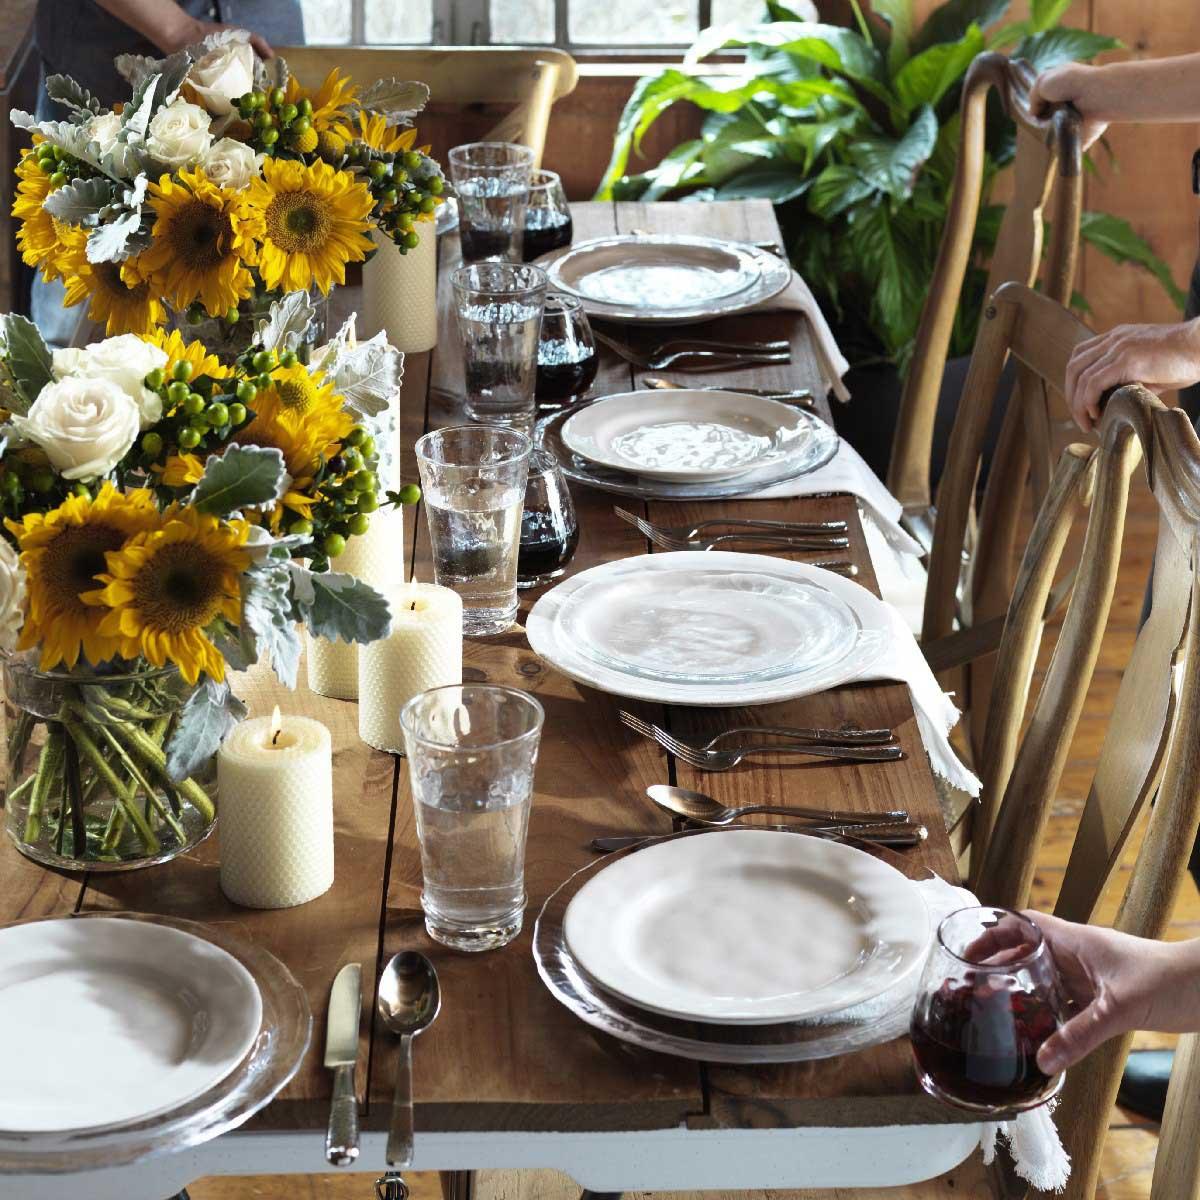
{"x":276,"y":827}
{"x":424,"y":650}
{"x":376,"y":557}
{"x":400,"y":292}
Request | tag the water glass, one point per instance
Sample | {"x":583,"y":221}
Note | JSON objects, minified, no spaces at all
{"x":989,"y":997}
{"x":473,"y":480}
{"x":499,"y":307}
{"x":491,"y":180}
{"x":566,"y":358}
{"x":549,"y":527}
{"x":472,"y":750}
{"x":548,"y":224}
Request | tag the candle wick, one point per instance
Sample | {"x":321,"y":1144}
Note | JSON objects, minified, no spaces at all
{"x":275,"y":735}
{"x":412,"y":607}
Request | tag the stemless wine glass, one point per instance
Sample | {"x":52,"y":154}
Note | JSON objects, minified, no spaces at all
{"x":491,"y":181}
{"x":548,"y":223}
{"x":549,"y":527}
{"x":566,"y":357}
{"x":989,"y":997}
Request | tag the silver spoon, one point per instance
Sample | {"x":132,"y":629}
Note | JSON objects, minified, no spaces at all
{"x":704,"y":810}
{"x":409,"y":999}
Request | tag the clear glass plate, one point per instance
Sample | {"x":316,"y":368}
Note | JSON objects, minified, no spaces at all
{"x":705,"y":626}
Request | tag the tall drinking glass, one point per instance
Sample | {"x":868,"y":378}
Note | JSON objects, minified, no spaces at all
{"x":491,"y":180}
{"x":499,"y":307}
{"x":473,"y":480}
{"x":472,"y":750}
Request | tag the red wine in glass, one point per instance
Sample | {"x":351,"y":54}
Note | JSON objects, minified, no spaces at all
{"x":563,"y":377}
{"x":479,"y":243}
{"x":541,"y":239}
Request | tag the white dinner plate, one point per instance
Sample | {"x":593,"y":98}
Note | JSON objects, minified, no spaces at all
{"x":707,"y":625}
{"x":107,"y":1020}
{"x":559,"y":644}
{"x":748,"y":927}
{"x":666,"y":278}
{"x":688,"y":436}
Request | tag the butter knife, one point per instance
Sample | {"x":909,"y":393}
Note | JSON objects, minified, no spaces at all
{"x":900,"y":833}
{"x":341,"y":1053}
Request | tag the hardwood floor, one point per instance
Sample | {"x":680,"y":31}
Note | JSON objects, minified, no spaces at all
{"x":1131,"y":1143}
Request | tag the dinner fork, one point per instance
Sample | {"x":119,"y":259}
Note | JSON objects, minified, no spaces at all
{"x":801,"y":733}
{"x":689,"y":532}
{"x":712,"y":360}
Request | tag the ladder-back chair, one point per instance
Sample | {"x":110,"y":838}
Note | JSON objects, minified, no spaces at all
{"x":1177,"y":1162}
{"x":529,"y":79}
{"x":1141,"y":757}
{"x":1048,"y":149}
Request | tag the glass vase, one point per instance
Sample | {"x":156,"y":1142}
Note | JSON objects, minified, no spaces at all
{"x":229,"y":339}
{"x":88,"y":787}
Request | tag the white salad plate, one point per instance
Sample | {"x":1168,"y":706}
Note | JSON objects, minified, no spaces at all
{"x":665,"y":278}
{"x":674,"y":654}
{"x":111,"y":1020}
{"x":748,"y":927}
{"x":687,"y":435}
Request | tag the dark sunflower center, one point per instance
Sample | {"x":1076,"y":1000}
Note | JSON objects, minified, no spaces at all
{"x":108,"y":275}
{"x":298,"y":222}
{"x":74,"y":559}
{"x":178,"y":589}
{"x":293,"y":394}
{"x":199,"y":234}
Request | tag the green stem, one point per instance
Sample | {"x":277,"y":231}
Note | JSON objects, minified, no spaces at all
{"x":140,"y":779}
{"x":72,"y":794}
{"x":152,"y":755}
{"x":92,"y":752}
{"x":114,"y":828}
{"x":20,"y":789}
{"x":19,"y":737}
{"x":49,"y":764}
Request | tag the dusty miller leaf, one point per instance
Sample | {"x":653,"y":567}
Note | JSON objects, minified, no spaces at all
{"x":397,"y":100}
{"x":288,"y":322}
{"x":368,"y":375}
{"x":72,"y":95}
{"x":268,"y":619}
{"x":207,"y":718}
{"x":27,"y":358}
{"x":339,"y":607}
{"x":115,"y":240}
{"x":241,"y":477}
{"x":135,"y":69}
{"x":80,"y":202}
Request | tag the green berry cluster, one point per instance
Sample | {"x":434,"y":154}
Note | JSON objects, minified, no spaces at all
{"x":276,"y":123}
{"x":197,"y":415}
{"x":405,"y":186}
{"x":57,"y":163}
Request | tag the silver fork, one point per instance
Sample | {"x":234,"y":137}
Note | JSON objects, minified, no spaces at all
{"x":809,"y":528}
{"x":702,"y":343}
{"x":762,"y":540}
{"x":800,"y":733}
{"x":714,"y":359}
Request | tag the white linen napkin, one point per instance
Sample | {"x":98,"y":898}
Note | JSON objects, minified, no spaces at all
{"x":797,"y":297}
{"x":901,"y":576}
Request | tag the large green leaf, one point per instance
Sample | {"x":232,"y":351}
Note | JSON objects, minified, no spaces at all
{"x":928,"y":76}
{"x":836,"y":189}
{"x":899,"y":16}
{"x":675,"y":169}
{"x":778,"y":184}
{"x":952,"y":20}
{"x":1054,"y":47}
{"x":26,"y":359}
{"x":1118,"y":239}
{"x":1046,"y":14}
{"x":893,"y":267}
{"x":240,"y":477}
{"x":892,"y":165}
{"x":841,"y":50}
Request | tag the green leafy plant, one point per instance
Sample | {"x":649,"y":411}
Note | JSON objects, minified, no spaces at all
{"x":853,"y":134}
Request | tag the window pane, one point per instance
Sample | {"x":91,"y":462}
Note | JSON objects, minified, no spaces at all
{"x":632,"y":22}
{"x":520,"y":21}
{"x":326,"y":22}
{"x":399,"y":20}
{"x":726,"y":12}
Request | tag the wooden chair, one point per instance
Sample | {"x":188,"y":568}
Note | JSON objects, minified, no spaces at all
{"x":1047,"y":148}
{"x":529,"y":79}
{"x":1177,"y":1163}
{"x":1140,"y":759}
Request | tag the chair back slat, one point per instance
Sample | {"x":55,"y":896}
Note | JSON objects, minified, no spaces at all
{"x":1046,"y":147}
{"x":1177,"y":1161}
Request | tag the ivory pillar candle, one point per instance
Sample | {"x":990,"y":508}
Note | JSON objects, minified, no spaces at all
{"x":423,"y":650}
{"x":376,"y":557}
{"x":400,"y":291}
{"x":275,"y":782}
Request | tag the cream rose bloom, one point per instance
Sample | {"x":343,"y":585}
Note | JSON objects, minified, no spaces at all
{"x":179,"y":134}
{"x":85,"y":426}
{"x":104,"y":128}
{"x":223,"y":75}
{"x":12,"y":596}
{"x":125,"y":360}
{"x":231,"y":164}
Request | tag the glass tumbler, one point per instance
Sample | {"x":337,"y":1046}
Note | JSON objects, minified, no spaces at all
{"x":499,"y":308}
{"x":989,"y":997}
{"x":472,"y":750}
{"x":491,"y":181}
{"x":566,"y":358}
{"x":549,"y":527}
{"x":473,"y":484}
{"x":548,"y":223}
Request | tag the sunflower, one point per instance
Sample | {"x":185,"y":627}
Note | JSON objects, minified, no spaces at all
{"x":298,"y":390}
{"x":167,"y":585}
{"x":118,"y":296}
{"x":41,"y":238}
{"x":63,"y":553}
{"x":202,"y":243}
{"x":329,"y":101}
{"x":379,"y":135}
{"x":180,"y":470}
{"x":314,"y":221}
{"x":193,"y":353}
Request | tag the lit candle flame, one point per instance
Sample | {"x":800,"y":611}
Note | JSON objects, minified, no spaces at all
{"x":276,"y":724}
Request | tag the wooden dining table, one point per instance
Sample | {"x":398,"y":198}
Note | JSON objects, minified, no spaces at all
{"x":507,"y":1076}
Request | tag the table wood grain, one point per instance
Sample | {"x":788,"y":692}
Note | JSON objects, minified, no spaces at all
{"x":504,"y":1054}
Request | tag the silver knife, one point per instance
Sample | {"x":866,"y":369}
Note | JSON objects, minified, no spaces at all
{"x":341,"y":1053}
{"x":883,"y":834}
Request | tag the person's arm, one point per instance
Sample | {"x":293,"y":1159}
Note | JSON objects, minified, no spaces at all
{"x":167,"y":26}
{"x":1118,"y":983}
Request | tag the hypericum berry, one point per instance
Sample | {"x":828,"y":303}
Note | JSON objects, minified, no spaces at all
{"x":237,"y":414}
{"x":377,"y":170}
{"x":177,"y":392}
{"x":410,"y":240}
{"x":435,"y":185}
{"x":182,"y":370}
{"x":270,"y":137}
{"x":246,"y":391}
{"x":367,"y":447}
{"x":288,"y":113}
{"x":193,"y":404}
{"x":366,"y":502}
{"x":359,"y":524}
{"x":300,"y":528}
{"x":410,"y":494}
{"x":154,"y":380}
{"x":263,"y":382}
{"x":232,"y":315}
{"x":189,"y":437}
{"x":364,"y":481}
{"x":412,"y":160}
{"x":58,"y":179}
{"x":334,"y":544}
{"x":278,"y":96}
{"x":152,"y":444}
{"x":287,"y":358}
{"x":263,"y":361}
{"x":217,"y":415}
{"x":428,"y":204}
{"x":305,"y":107}
{"x":196,"y":313}
{"x":263,"y":120}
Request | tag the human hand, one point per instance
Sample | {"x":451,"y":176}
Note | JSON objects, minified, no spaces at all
{"x":1161,"y":357}
{"x":1073,"y":83}
{"x":191,"y":30}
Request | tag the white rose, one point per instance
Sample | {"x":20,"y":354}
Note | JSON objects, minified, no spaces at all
{"x":12,"y":596}
{"x":223,"y":75}
{"x":104,"y":129}
{"x":179,"y":134}
{"x":125,"y":360}
{"x":85,"y":426}
{"x":231,"y":164}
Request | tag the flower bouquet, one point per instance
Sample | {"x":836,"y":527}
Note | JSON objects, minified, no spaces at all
{"x":154,"y":504}
{"x":221,"y":185}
